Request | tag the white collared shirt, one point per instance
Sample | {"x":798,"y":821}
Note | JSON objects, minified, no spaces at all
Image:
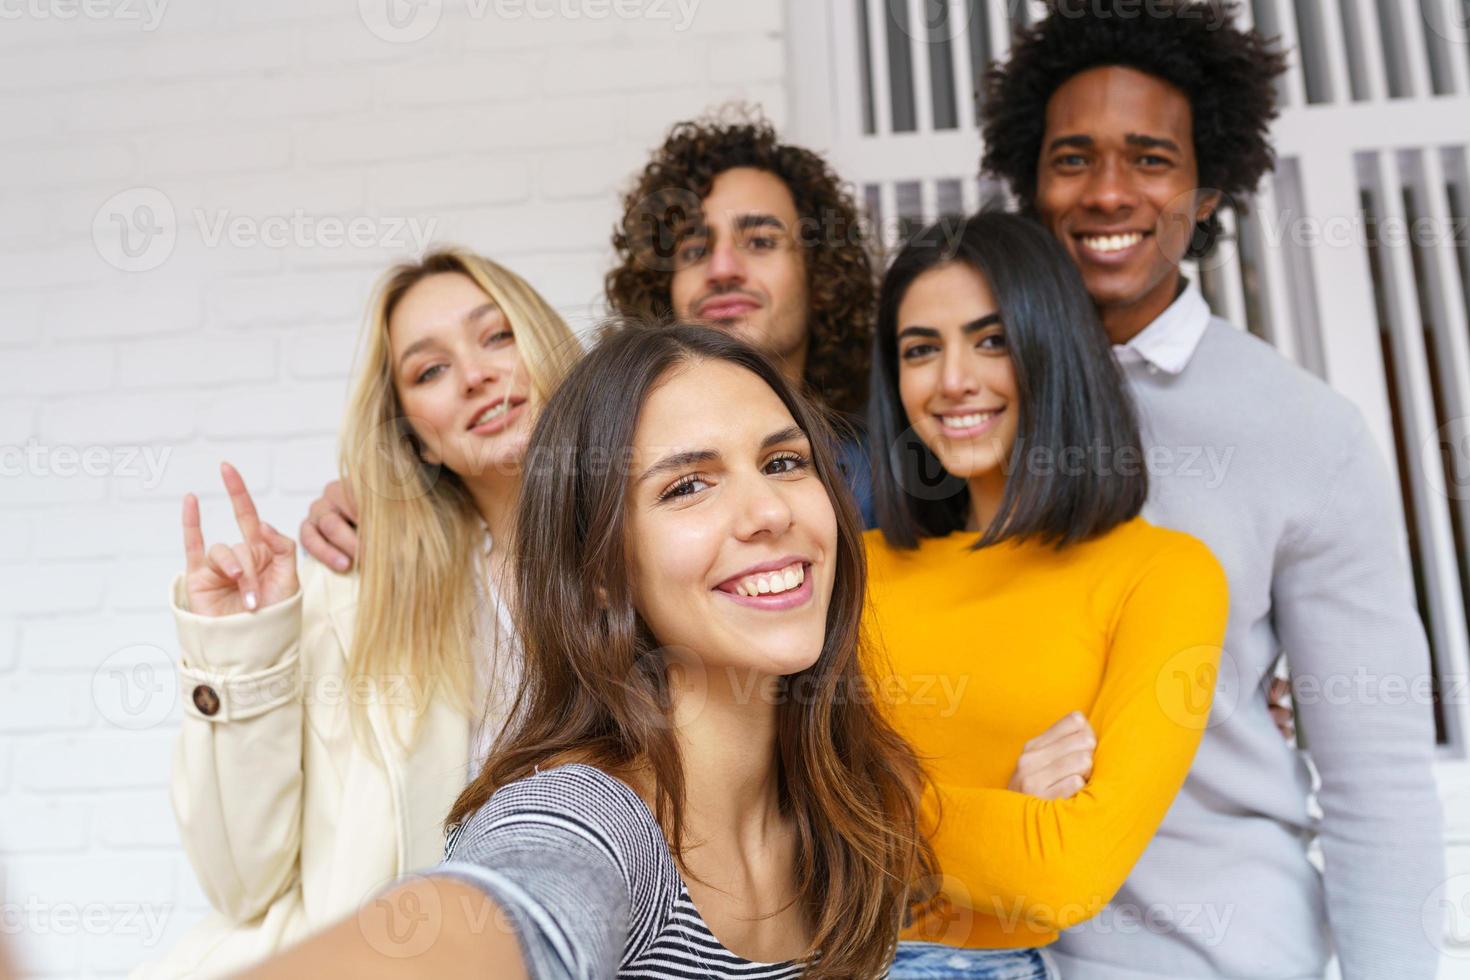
{"x":1170,"y":341}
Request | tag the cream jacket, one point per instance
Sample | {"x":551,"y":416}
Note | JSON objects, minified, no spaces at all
{"x":288,"y":822}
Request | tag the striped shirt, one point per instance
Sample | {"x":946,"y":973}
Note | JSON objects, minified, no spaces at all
{"x":581,"y":868}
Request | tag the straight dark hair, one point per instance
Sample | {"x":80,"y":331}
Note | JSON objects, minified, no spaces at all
{"x":594,"y":682}
{"x":1071,"y":394}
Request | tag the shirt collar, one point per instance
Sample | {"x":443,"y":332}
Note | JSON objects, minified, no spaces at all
{"x":1170,"y":341}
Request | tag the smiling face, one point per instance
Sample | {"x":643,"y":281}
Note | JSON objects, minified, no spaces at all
{"x":955,"y":376}
{"x":1117,"y":182}
{"x":742,"y":268}
{"x":731,"y":532}
{"x":459,"y":377}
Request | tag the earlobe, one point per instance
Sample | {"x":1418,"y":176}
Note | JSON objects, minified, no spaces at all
{"x":1209,"y":203}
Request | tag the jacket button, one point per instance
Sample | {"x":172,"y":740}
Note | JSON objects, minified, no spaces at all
{"x":206,"y":700}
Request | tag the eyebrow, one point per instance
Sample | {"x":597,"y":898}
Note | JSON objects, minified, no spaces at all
{"x":759,"y":220}
{"x":1132,"y":139}
{"x":973,"y":326}
{"x":466,"y":320}
{"x":678,"y":461}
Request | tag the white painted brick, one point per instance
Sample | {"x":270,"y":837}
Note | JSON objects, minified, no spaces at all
{"x":47,"y":587}
{"x":118,"y":419}
{"x":353,"y":43}
{"x":299,"y":298}
{"x":88,"y":761}
{"x":281,"y":11}
{"x":195,"y":362}
{"x":16,"y":532}
{"x":322,"y":353}
{"x":571,"y":174}
{"x":514,"y":134}
{"x":20,"y":318}
{"x":453,"y":183}
{"x":552,"y":227}
{"x":305,"y":467}
{"x":167,"y":308}
{"x":9,"y":646}
{"x":141,"y":584}
{"x":113,"y":879}
{"x":69,"y":66}
{"x":295,"y":95}
{"x":128,"y":109}
{"x":29,"y":824}
{"x":30,"y":490}
{"x":126,"y":820}
{"x":278,"y":410}
{"x":429,"y":134}
{"x":747,"y":60}
{"x":195,"y":469}
{"x":329,"y":192}
{"x":17,"y":423}
{"x":83,"y":644}
{"x":572,"y":70}
{"x":568,"y":280}
{"x":48,"y":167}
{"x":32,"y":118}
{"x":112,"y":528}
{"x":480,"y":80}
{"x":500,"y":30}
{"x":47,"y":953}
{"x":224,"y":53}
{"x":745,"y":17}
{"x":56,"y":370}
{"x":223,"y":151}
{"x":39,"y":704}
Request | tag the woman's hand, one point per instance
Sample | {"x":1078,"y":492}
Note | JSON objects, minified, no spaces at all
{"x":256,"y":573}
{"x":1057,"y":763}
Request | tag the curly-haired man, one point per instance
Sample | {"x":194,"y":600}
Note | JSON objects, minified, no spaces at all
{"x":1124,"y":127}
{"x":730,"y":226}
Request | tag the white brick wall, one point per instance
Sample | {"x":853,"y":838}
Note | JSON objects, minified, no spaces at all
{"x":121,"y":388}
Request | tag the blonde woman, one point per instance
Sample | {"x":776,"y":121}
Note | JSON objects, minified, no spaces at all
{"x":331,"y":722}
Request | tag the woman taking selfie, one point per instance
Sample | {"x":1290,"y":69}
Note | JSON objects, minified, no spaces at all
{"x":687,"y":787}
{"x":330,"y":721}
{"x":1013,"y":584}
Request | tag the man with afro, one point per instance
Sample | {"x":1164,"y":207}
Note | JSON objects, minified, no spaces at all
{"x":1124,"y":127}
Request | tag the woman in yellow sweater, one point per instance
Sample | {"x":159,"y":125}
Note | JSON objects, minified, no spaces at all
{"x":1014,"y":583}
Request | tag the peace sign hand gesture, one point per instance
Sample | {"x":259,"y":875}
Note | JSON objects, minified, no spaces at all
{"x":249,"y":576}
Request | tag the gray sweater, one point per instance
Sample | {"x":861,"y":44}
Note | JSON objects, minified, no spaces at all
{"x":1279,"y":476}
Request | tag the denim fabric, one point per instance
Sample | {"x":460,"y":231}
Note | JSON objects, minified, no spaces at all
{"x":934,"y":961}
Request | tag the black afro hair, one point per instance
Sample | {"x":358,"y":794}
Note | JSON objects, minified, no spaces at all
{"x":1228,"y":75}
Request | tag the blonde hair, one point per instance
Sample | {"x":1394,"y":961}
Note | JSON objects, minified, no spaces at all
{"x":418,"y":530}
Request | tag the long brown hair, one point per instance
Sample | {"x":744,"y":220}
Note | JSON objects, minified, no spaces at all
{"x":595,"y":687}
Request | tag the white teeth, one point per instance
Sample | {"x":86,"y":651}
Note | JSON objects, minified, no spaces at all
{"x":772,"y":583}
{"x":491,"y":413}
{"x":966,"y":421}
{"x":1112,"y":243}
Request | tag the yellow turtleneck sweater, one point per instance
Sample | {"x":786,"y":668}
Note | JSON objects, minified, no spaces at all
{"x":975,"y":653}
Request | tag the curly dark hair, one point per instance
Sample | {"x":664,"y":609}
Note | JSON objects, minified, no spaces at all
{"x":841,"y":282}
{"x":1228,"y":74}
